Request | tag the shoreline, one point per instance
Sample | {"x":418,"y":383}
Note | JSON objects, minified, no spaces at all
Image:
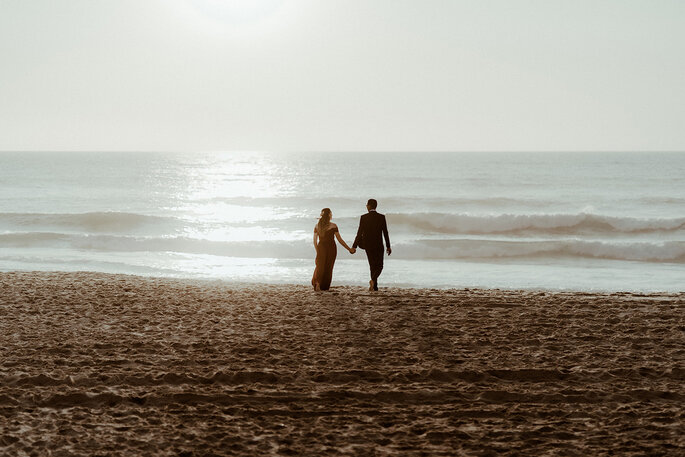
{"x":342,"y":286}
{"x":116,"y":365}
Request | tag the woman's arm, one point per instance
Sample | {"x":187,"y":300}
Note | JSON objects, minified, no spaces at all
{"x":341,"y":241}
{"x":316,"y":245}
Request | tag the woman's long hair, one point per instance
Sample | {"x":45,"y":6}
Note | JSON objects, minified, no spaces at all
{"x":324,"y":220}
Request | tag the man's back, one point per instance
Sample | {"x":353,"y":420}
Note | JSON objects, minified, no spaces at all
{"x":373,"y":228}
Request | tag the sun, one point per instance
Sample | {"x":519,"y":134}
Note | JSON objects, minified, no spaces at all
{"x":236,"y":12}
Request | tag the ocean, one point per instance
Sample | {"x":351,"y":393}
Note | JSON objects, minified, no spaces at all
{"x":556,"y":221}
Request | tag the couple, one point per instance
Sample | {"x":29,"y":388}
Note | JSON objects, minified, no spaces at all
{"x":372,"y":229}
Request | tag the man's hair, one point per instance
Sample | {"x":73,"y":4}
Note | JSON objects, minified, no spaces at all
{"x":372,"y":203}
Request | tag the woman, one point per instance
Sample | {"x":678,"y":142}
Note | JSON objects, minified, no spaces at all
{"x":326,"y":250}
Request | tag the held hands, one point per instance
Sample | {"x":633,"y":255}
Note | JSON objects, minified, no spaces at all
{"x":353,"y":250}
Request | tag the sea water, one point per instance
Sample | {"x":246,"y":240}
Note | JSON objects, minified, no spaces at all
{"x":580,"y":221}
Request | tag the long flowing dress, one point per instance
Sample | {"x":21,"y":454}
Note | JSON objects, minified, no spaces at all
{"x":326,"y":253}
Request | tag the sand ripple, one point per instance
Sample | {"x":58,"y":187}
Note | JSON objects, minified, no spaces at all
{"x":96,"y":364}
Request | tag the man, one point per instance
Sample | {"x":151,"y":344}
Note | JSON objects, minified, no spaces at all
{"x":372,"y":230}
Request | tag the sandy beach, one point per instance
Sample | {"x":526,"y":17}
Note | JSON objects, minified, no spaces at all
{"x":112,"y":365}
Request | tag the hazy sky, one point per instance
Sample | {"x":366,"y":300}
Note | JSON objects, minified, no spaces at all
{"x":335,"y":75}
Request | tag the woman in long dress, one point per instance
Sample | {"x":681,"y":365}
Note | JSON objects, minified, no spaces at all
{"x":325,"y":233}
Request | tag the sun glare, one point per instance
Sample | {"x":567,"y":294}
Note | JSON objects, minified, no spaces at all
{"x":236,"y":12}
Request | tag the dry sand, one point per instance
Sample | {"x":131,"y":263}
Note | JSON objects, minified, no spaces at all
{"x":94,"y":364}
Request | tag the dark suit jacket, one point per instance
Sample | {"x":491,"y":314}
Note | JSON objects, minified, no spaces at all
{"x":372,"y":230}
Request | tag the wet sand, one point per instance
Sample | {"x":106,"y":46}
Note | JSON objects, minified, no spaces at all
{"x":94,"y":364}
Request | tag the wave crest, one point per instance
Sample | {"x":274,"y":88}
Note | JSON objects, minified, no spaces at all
{"x":453,"y":249}
{"x":108,"y":221}
{"x":670,"y":251}
{"x":533,"y":223}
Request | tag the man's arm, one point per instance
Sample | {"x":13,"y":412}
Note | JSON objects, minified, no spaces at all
{"x":359,"y":235}
{"x":386,"y":236}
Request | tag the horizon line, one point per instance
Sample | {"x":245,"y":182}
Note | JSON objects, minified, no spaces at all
{"x":362,"y":151}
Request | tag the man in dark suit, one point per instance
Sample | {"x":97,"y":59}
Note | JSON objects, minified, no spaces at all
{"x":372,"y":230}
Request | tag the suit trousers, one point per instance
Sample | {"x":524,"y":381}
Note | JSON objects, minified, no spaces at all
{"x":375,"y":257}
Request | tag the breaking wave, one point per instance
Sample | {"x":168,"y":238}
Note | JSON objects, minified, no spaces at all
{"x":99,"y":222}
{"x":669,"y":251}
{"x":122,"y":223}
{"x":534,"y":223}
{"x":454,"y":249}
